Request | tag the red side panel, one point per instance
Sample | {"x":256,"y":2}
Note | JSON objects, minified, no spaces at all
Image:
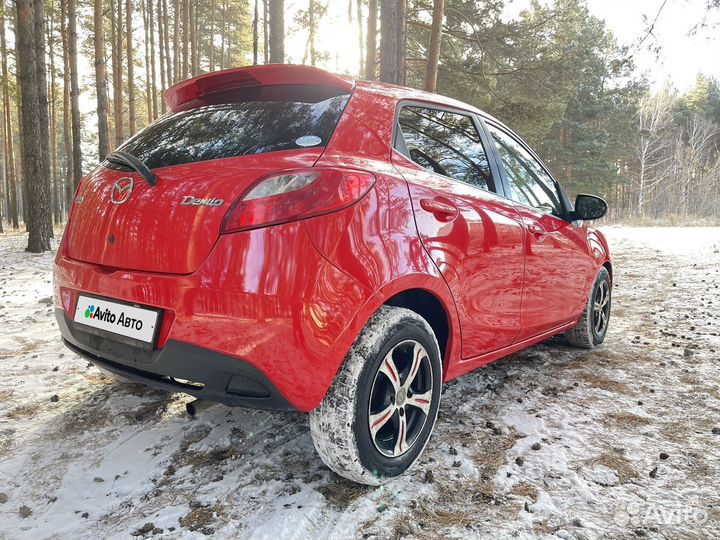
{"x":200,"y":90}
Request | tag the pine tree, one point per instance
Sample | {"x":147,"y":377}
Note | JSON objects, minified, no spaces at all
{"x":34,"y":117}
{"x":101,"y":81}
{"x":392,"y":40}
{"x":74,"y":92}
{"x":277,"y":31}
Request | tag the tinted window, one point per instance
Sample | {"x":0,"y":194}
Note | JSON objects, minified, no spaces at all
{"x":235,"y":129}
{"x":529,"y":183}
{"x":446,"y":143}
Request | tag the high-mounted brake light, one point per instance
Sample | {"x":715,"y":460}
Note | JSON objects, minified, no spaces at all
{"x":297,"y":194}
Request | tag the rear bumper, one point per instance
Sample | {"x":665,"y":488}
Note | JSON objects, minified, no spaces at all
{"x":265,"y":298}
{"x":204,"y":374}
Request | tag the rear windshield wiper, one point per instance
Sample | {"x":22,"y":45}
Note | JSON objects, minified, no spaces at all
{"x":123,"y":158}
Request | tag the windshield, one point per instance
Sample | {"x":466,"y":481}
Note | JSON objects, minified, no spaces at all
{"x":234,"y":129}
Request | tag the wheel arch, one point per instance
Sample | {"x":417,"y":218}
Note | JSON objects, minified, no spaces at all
{"x":608,"y":266}
{"x":430,"y":308}
{"x":430,"y":298}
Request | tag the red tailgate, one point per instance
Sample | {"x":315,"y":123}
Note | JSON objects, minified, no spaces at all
{"x":153,"y":230}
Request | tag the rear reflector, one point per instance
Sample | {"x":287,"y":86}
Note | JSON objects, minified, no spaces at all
{"x":297,"y":194}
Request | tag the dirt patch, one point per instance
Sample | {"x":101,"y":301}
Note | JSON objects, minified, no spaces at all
{"x":523,"y":489}
{"x":602,"y":382}
{"x":616,"y":461}
{"x":628,"y":420}
{"x":147,"y":411}
{"x":341,"y":493}
{"x":22,"y":412}
{"x":24,"y":347}
{"x":202,"y":518}
{"x":460,"y":495}
{"x":212,"y":458}
{"x":92,"y":377}
{"x":6,"y":442}
{"x":89,"y":415}
{"x":491,"y":451}
{"x":426,"y":521}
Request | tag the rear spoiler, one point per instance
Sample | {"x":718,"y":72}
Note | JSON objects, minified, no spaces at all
{"x":218,"y":86}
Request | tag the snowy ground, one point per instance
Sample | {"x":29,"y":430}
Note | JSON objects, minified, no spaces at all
{"x":549,"y":443}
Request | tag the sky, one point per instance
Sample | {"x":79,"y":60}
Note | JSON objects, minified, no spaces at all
{"x":680,"y":58}
{"x":682,"y":55}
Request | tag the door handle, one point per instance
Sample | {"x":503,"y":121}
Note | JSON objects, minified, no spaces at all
{"x":441,"y":210}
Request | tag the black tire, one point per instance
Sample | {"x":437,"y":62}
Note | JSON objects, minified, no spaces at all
{"x":395,"y":341}
{"x":592,"y":327}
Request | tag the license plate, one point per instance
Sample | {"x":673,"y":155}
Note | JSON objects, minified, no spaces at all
{"x":117,"y":318}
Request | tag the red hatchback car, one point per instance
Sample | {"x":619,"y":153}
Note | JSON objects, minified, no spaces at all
{"x":290,"y":239}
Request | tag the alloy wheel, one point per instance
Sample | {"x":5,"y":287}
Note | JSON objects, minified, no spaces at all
{"x":601,"y":307}
{"x":400,"y":398}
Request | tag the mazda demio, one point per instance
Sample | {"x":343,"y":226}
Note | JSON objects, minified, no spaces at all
{"x":290,"y":239}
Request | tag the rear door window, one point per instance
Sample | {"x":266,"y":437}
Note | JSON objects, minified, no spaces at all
{"x":235,"y":129}
{"x":446,"y":143}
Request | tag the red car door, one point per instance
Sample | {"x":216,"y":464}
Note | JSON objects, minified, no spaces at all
{"x":473,"y":235}
{"x":558,"y":258}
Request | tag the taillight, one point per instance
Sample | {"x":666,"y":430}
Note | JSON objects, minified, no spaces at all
{"x":297,"y":194}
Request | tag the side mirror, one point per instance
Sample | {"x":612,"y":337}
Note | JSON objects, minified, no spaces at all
{"x":589,"y":207}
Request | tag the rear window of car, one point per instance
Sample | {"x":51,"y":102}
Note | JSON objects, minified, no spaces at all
{"x":235,"y":129}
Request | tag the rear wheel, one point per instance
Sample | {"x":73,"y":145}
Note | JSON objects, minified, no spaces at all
{"x":592,"y":327}
{"x":379,"y":413}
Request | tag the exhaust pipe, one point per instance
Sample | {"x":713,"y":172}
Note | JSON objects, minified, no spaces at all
{"x":197,"y":405}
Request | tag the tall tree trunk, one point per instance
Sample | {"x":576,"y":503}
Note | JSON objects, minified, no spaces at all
{"x":186,"y":39}
{"x":56,"y":196}
{"x":101,"y":83}
{"x":168,"y":61}
{"x":193,"y":39}
{"x":32,"y":82}
{"x":392,"y":41}
{"x":358,"y":5}
{"x":22,"y":179}
{"x":196,"y":40}
{"x":74,"y":92}
{"x":434,"y":49}
{"x":153,"y":80}
{"x":161,"y":51}
{"x":266,"y":32}
{"x":67,"y":121}
{"x":223,"y":29}
{"x":132,"y":119}
{"x":176,"y":40}
{"x":277,"y":31}
{"x":3,"y":200}
{"x":148,"y":93}
{"x":211,"y":61}
{"x":371,"y":48}
{"x":117,"y":57}
{"x":11,"y":178}
{"x":255,"y":33}
{"x":41,"y":81}
{"x":311,"y":39}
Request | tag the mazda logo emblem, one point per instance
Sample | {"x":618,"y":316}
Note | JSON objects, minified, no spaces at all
{"x":122,"y":190}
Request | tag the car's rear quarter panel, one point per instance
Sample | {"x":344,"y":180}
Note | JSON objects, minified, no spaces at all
{"x":376,"y":241}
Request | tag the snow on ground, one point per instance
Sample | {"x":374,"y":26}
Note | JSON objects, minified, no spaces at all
{"x":549,"y":443}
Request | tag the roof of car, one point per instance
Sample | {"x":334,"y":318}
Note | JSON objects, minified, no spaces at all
{"x":406,"y":93}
